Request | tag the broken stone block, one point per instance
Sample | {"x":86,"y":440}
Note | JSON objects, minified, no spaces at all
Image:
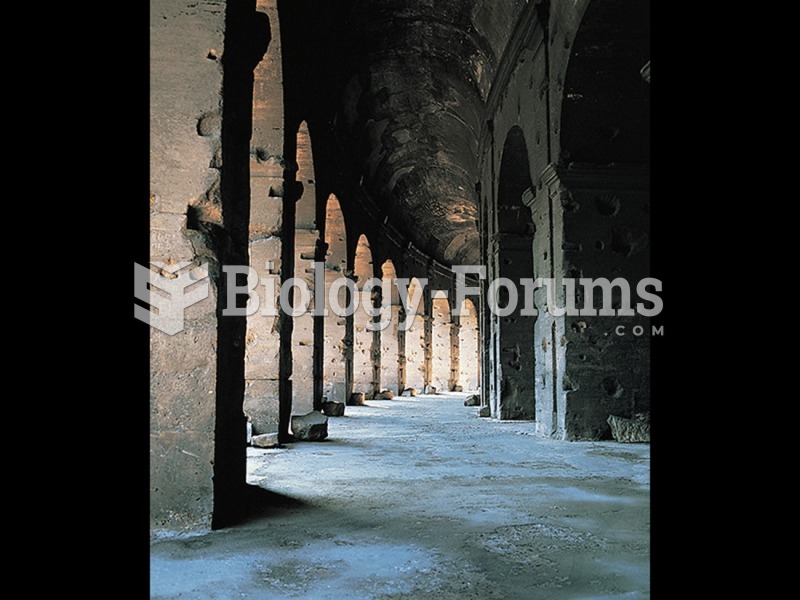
{"x":266,"y":440}
{"x":333,"y":409}
{"x":356,"y":399}
{"x":429,"y":389}
{"x":384,"y":395}
{"x":458,"y":388}
{"x":473,"y":400}
{"x":409,"y":392}
{"x":629,"y":430}
{"x":485,"y":412}
{"x":249,"y":432}
{"x":312,"y":427}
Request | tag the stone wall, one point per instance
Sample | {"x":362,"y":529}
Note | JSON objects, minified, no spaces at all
{"x":185,"y":129}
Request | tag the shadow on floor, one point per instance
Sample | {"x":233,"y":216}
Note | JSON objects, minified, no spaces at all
{"x":256,"y":503}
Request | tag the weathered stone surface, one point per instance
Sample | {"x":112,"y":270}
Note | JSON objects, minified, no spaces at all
{"x":312,"y":427}
{"x":409,"y":392}
{"x":249,"y":432}
{"x":265,"y":440}
{"x":473,"y":400}
{"x":261,"y":405}
{"x":184,"y":367}
{"x":485,"y":412}
{"x":333,"y":409}
{"x":356,"y":399}
{"x":629,"y":430}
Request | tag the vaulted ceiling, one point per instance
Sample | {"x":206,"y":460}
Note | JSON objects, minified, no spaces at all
{"x":403,"y":85}
{"x":394,"y":93}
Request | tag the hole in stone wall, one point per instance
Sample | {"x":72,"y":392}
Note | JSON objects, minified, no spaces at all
{"x":608,"y":205}
{"x":612,"y":386}
{"x":192,"y":218}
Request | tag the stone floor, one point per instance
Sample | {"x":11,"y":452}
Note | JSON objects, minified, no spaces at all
{"x":419,"y":498}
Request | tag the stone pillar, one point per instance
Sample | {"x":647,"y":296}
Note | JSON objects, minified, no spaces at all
{"x":603,"y":215}
{"x":375,"y":355}
{"x":455,"y":355}
{"x":349,"y":342}
{"x":401,"y":352}
{"x":513,"y":368}
{"x":262,"y":351}
{"x":303,"y":332}
{"x":199,"y":117}
{"x":427,"y":323}
{"x":548,"y":331}
{"x":185,"y":90}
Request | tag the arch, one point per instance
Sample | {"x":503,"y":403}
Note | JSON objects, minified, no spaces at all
{"x":605,"y":112}
{"x":362,"y":264}
{"x":306,"y":236}
{"x":334,"y":377}
{"x":415,"y":367}
{"x":306,"y":214}
{"x":512,"y":363}
{"x":364,"y":362}
{"x":469,"y":347}
{"x":513,"y":217}
{"x":605,"y":129}
{"x":441,"y":375}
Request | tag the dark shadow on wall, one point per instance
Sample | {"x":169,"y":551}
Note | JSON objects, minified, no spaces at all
{"x":247,"y":39}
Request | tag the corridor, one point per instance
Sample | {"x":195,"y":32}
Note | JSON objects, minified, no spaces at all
{"x":420,"y":498}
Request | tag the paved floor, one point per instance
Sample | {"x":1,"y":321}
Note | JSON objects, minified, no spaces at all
{"x":419,"y":498}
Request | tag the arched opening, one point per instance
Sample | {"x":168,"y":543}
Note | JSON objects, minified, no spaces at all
{"x":441,"y":374}
{"x":306,"y":237}
{"x":512,"y":376}
{"x":363,"y":338}
{"x":390,"y":335}
{"x":605,"y":114}
{"x":605,"y":200}
{"x":334,"y":384}
{"x":469,"y":347}
{"x":262,"y":364}
{"x":415,"y":338}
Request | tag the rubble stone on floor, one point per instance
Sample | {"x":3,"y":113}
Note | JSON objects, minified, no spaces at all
{"x":629,"y":430}
{"x":473,"y":400}
{"x":356,"y":399}
{"x":333,"y":409}
{"x":266,"y":440}
{"x":312,"y":427}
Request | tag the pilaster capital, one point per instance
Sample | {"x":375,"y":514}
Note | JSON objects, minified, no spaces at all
{"x":586,"y":176}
